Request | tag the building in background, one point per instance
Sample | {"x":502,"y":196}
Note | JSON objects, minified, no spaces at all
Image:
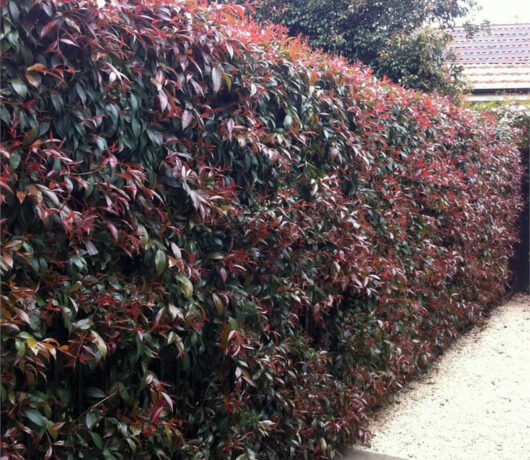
{"x":496,"y":63}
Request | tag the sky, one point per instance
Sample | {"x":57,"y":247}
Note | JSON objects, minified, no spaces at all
{"x":503,"y":11}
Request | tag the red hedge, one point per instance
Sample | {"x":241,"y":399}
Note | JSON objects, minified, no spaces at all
{"x":216,"y":242}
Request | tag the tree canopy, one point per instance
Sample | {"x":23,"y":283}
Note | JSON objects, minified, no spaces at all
{"x":381,"y":33}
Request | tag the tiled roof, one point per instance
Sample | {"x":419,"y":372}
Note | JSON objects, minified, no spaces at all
{"x":495,"y":61}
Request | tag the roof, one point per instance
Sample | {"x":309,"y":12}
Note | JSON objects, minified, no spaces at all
{"x":496,"y":60}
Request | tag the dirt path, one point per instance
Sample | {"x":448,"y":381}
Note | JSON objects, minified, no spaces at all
{"x":475,"y":405}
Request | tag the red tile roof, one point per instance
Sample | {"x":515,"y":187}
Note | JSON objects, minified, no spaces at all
{"x":495,"y":61}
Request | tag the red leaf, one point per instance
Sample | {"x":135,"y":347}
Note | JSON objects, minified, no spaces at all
{"x":47,"y":28}
{"x":113,"y":230}
{"x":3,"y":184}
{"x":222,"y":272}
{"x":157,"y":413}
{"x":168,"y":400}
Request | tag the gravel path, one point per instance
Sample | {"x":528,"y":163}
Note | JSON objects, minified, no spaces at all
{"x":474,"y":405}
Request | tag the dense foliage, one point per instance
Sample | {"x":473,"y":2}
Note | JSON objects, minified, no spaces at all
{"x":516,"y":114}
{"x":216,"y":243}
{"x":387,"y":35}
{"x":510,"y":114}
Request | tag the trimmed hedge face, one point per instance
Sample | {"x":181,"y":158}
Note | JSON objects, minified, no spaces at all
{"x":217,"y":243}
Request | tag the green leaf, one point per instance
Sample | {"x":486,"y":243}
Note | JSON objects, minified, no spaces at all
{"x":287,"y":121}
{"x":98,"y":442}
{"x":36,"y":417}
{"x":323,"y":444}
{"x":80,"y":92}
{"x":186,"y":285}
{"x":131,"y":443}
{"x":136,"y":127}
{"x":218,"y":303}
{"x":19,"y":87}
{"x":4,"y":115}
{"x":20,"y":346}
{"x":14,"y":161}
{"x":30,"y":340}
{"x":83,"y":324}
{"x":134,"y":102}
{"x":90,"y":419}
{"x":57,"y":102}
{"x":76,"y":259}
{"x":93,"y":392}
{"x":155,"y":136}
{"x":101,"y":142}
{"x":143,"y":235}
{"x":13,"y":9}
{"x":100,"y":343}
{"x":30,"y":136}
{"x":160,"y":261}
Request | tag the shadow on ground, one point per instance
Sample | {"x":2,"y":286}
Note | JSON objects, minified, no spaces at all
{"x":356,"y":454}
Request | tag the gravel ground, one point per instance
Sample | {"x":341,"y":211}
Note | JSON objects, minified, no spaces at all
{"x":474,"y":404}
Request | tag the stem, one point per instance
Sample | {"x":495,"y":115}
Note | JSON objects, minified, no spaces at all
{"x":96,"y":405}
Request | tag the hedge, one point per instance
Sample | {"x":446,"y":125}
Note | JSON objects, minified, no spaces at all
{"x":217,"y":243}
{"x":517,"y":114}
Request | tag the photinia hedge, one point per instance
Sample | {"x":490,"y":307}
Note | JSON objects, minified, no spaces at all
{"x":217,"y":243}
